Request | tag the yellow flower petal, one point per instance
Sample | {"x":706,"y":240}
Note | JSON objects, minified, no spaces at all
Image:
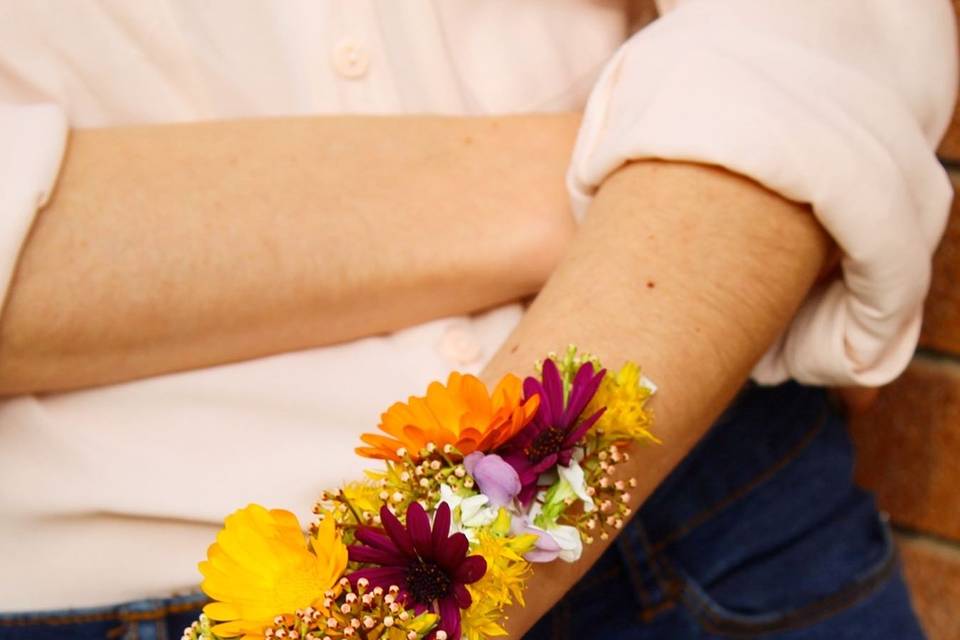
{"x":261,"y":567}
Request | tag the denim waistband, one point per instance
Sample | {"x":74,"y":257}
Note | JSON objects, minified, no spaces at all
{"x":149,"y":619}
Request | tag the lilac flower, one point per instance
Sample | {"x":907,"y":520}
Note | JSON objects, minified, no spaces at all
{"x":494,"y":477}
{"x":556,"y":428}
{"x":430,"y":567}
{"x":545,"y":549}
{"x":556,"y":541}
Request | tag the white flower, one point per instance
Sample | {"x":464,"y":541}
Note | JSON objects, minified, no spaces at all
{"x":468,"y":512}
{"x":566,"y":537}
{"x":648,"y":384}
{"x":574,"y":477}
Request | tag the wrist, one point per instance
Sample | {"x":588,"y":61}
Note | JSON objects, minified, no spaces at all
{"x":534,"y":220}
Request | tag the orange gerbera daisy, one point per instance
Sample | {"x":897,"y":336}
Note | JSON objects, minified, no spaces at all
{"x":462,"y":413}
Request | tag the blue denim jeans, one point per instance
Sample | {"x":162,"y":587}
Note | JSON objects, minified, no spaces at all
{"x":154,"y":619}
{"x":759,"y":533}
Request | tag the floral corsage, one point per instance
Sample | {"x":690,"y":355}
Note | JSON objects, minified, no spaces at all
{"x":476,"y":487}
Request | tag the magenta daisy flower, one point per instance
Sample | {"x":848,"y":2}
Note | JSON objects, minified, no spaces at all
{"x":556,"y":428}
{"x":430,"y":566}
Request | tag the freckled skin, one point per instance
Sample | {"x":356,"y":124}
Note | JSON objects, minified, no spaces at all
{"x":731,"y":262}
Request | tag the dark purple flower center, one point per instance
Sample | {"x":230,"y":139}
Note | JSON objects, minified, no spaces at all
{"x":427,"y":581}
{"x":548,"y":442}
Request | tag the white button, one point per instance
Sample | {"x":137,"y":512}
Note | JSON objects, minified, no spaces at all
{"x":350,"y":58}
{"x":460,"y":345}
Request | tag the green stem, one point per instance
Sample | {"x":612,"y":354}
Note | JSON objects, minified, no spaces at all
{"x":346,"y":501}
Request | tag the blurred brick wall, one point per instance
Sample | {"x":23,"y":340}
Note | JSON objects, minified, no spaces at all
{"x":909,"y":442}
{"x":908,"y":445}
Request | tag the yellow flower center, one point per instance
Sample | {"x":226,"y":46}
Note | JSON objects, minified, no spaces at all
{"x":299,"y":587}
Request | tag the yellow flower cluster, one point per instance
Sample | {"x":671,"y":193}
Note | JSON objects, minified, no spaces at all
{"x":501,"y":586}
{"x":626,"y":419}
{"x":482,"y":620}
{"x":363,"y":495}
{"x":270,"y":581}
{"x":356,"y":503}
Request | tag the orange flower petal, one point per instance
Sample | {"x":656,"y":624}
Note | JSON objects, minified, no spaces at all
{"x":462,"y":413}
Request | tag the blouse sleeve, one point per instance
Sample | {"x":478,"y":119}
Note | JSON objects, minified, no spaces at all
{"x":836,"y":104}
{"x":32,"y":142}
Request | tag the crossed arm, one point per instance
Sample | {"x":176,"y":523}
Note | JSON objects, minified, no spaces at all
{"x":169,"y":248}
{"x":174,"y":247}
{"x":691,"y":272}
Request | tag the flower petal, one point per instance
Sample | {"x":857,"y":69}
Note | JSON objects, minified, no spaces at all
{"x":449,"y":618}
{"x":471,"y":570}
{"x":571,"y":544}
{"x":532,"y":387}
{"x":546,"y":464}
{"x":441,"y":525}
{"x":470,"y":462}
{"x":573,"y":474}
{"x":376,"y":538}
{"x":418,"y":524}
{"x":527,"y":494}
{"x":496,"y":479}
{"x":377,"y":556}
{"x":585,"y":385}
{"x":397,"y":532}
{"x":541,"y":556}
{"x":464,"y":599}
{"x":451,"y":553}
{"x":575,"y":435}
{"x":553,"y":388}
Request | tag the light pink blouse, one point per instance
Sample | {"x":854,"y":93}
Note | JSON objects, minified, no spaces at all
{"x":112,"y":493}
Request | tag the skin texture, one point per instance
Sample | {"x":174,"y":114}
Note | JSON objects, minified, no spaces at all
{"x":175,"y":247}
{"x":182,"y":246}
{"x":691,"y":272}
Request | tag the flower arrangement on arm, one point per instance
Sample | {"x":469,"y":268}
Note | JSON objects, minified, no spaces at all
{"x":476,"y":487}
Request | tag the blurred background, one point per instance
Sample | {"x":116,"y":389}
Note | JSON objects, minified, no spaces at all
{"x":909,"y":442}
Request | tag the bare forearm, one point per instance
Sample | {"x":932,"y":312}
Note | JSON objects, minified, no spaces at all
{"x":691,"y":272}
{"x":180,"y":246}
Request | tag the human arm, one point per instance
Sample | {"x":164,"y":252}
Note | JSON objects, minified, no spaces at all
{"x":173,"y":247}
{"x":781,"y":92}
{"x":839,"y":104}
{"x":691,"y":272}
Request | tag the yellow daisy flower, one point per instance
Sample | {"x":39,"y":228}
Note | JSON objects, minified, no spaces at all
{"x":261,"y":567}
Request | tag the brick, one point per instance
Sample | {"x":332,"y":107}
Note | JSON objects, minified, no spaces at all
{"x":932,"y":570}
{"x":950,"y":146}
{"x":941,"y":320}
{"x":908,"y":448}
